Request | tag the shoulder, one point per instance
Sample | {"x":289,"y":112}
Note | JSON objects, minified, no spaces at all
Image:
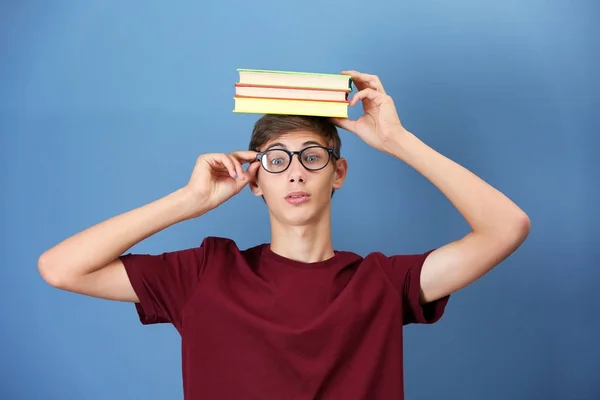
{"x":385,"y":261}
{"x":404,"y":272}
{"x":402,"y":260}
{"x":217,"y":243}
{"x":198,"y":256}
{"x":218,"y":250}
{"x":227,"y":246}
{"x":400,"y":269}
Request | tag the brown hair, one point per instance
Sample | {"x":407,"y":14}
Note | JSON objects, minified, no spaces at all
{"x":270,"y":126}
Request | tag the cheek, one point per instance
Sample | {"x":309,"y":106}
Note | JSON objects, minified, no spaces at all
{"x":324,"y":183}
{"x":269,"y":184}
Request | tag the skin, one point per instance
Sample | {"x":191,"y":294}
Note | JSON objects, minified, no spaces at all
{"x":87,"y":262}
{"x":300,"y":232}
{"x":498,"y":226}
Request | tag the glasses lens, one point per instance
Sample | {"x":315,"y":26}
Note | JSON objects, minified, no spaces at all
{"x":315,"y":157}
{"x":275,"y":160}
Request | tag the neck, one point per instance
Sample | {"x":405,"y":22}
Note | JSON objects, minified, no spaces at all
{"x":310,"y":242}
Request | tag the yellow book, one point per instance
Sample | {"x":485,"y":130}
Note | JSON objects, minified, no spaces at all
{"x":257,"y":105}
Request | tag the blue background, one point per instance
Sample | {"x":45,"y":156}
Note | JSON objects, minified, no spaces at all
{"x":105,"y":105}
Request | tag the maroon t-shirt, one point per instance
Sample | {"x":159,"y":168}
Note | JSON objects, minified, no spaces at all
{"x":256,"y":325}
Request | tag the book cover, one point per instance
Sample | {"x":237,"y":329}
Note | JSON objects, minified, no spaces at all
{"x":313,"y":80}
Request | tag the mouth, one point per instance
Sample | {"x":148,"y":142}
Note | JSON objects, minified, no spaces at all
{"x":297,"y":197}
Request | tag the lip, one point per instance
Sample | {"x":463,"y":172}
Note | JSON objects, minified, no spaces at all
{"x":297,"y":197}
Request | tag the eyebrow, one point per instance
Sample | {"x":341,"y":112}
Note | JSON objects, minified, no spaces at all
{"x":278,"y":144}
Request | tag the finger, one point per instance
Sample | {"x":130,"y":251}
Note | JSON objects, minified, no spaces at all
{"x":226,"y":162}
{"x":344,"y":123}
{"x":252,"y":170}
{"x":364,"y":81}
{"x":371,"y":94}
{"x":239,"y":171}
{"x":244,"y":156}
{"x":248,"y":176}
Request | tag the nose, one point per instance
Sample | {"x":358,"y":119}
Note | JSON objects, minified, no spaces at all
{"x":296,"y":171}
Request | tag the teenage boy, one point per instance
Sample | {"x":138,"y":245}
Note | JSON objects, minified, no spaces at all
{"x":292,"y":319}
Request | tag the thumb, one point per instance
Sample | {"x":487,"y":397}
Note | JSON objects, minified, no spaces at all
{"x":344,"y":123}
{"x":249,"y":175}
{"x":252,"y":170}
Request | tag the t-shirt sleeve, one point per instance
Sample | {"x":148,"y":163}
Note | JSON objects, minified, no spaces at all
{"x":405,"y":273}
{"x":164,"y":282}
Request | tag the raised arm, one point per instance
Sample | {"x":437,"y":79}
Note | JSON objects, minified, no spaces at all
{"x":498,"y":226}
{"x":88,"y":262}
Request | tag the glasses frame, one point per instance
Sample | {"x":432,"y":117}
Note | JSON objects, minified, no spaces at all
{"x":330,"y":152}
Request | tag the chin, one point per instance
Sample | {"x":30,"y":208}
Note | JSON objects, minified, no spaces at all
{"x":293,"y":217}
{"x":299,"y":215}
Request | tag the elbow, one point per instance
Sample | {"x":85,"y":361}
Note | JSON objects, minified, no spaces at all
{"x":517,"y":229}
{"x":49,"y":272}
{"x":508,"y":232}
{"x":522,"y":226}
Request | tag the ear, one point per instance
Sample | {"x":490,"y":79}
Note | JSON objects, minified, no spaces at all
{"x":254,"y":184}
{"x":341,"y":169}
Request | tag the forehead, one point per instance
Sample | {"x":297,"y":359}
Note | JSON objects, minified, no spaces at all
{"x":295,"y":140}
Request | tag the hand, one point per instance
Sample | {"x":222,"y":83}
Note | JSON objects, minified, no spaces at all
{"x":217,"y":177}
{"x":380,"y":122}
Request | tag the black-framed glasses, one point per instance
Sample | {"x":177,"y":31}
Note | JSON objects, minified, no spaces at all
{"x":313,"y":158}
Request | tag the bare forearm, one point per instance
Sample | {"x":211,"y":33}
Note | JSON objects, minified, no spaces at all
{"x":484,"y":208}
{"x":95,"y":247}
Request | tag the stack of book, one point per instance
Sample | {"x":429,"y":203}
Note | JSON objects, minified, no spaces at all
{"x":295,"y":93}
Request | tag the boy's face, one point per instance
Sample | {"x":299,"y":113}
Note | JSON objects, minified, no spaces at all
{"x":298,"y":196}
